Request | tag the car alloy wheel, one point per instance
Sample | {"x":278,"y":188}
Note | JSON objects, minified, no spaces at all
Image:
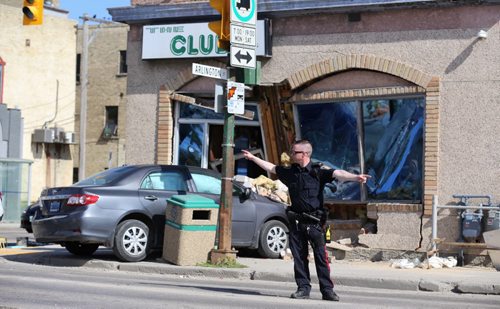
{"x":131,"y":241}
{"x":273,"y":239}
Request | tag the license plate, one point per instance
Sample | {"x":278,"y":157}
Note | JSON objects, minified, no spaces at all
{"x":54,"y":206}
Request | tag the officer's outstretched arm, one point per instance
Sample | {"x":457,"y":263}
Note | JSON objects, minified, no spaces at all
{"x":346,"y":176}
{"x":267,"y":166}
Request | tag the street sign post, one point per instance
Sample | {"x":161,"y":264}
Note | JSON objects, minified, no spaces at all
{"x":242,"y":54}
{"x":209,"y":71}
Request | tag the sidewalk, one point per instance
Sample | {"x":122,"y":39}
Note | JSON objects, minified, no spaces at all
{"x":474,"y":280}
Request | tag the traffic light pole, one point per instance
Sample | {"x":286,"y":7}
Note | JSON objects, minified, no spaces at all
{"x":222,"y":27}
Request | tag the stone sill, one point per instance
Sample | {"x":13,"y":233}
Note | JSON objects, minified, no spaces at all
{"x":395,"y":207}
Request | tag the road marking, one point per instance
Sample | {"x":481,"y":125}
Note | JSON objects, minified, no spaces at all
{"x":16,"y":251}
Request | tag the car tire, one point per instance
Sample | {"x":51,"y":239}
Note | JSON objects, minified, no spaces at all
{"x":131,"y":241}
{"x":81,"y":249}
{"x":273,"y":239}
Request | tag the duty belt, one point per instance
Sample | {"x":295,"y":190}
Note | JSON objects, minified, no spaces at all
{"x":303,"y":217}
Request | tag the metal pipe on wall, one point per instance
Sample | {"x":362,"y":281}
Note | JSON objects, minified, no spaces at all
{"x":435,"y":208}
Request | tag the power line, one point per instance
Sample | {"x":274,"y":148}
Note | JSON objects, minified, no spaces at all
{"x":59,"y":122}
{"x":51,"y":102}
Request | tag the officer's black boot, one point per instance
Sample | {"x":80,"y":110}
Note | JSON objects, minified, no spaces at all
{"x":300,"y":294}
{"x":330,"y":295}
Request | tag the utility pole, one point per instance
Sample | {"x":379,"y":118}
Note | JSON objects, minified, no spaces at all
{"x":83,"y":96}
{"x":84,"y":82}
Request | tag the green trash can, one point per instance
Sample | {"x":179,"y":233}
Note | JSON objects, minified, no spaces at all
{"x":190,"y":228}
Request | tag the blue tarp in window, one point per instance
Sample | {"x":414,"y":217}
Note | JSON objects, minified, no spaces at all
{"x":392,"y":139}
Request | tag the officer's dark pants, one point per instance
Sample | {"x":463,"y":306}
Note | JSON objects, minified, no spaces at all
{"x":300,"y":235}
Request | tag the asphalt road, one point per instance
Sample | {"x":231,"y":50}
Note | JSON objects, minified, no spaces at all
{"x":25,"y":285}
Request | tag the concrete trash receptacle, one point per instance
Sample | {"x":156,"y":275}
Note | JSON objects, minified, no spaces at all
{"x":190,"y":228}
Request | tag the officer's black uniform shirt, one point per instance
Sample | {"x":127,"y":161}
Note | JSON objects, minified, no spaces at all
{"x":305,"y":185}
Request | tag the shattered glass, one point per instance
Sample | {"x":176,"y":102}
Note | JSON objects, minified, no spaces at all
{"x":191,"y":138}
{"x":332,"y":130}
{"x":392,"y":138}
{"x":393,"y":142}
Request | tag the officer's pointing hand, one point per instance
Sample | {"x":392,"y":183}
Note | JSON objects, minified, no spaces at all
{"x":363,"y":178}
{"x":247,"y":155}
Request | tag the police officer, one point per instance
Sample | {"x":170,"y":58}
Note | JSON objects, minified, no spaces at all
{"x":307,"y":216}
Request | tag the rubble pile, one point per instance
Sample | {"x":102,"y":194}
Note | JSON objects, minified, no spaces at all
{"x":264,"y":186}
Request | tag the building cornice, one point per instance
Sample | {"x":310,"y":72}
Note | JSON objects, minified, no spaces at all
{"x":202,"y":11}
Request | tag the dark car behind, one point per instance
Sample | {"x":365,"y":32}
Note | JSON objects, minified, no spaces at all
{"x":27,"y":216}
{"x":124,"y":209}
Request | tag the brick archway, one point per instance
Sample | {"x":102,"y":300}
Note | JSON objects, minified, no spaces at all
{"x":355,"y":61}
{"x":430,"y":84}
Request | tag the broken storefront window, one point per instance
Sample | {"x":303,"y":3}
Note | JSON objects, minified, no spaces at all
{"x":392,"y":145}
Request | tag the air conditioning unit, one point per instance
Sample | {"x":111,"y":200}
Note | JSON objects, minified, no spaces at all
{"x":43,"y":136}
{"x":69,"y":137}
{"x":58,"y":135}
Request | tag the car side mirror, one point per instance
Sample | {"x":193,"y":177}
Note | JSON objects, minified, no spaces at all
{"x":246,"y":193}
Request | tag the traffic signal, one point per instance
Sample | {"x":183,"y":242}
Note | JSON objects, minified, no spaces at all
{"x":221,"y":27}
{"x":33,"y":12}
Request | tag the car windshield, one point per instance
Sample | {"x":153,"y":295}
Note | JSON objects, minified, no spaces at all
{"x":106,"y":177}
{"x":211,"y":184}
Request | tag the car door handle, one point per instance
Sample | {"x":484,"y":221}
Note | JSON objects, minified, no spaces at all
{"x":151,"y":197}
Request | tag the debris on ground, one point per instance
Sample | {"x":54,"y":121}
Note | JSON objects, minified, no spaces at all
{"x":404,"y":263}
{"x":439,"y":262}
{"x":432,"y":262}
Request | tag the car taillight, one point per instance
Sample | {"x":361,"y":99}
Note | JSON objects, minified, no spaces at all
{"x":82,"y":199}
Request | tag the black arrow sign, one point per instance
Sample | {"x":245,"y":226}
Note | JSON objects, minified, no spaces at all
{"x":247,"y":57}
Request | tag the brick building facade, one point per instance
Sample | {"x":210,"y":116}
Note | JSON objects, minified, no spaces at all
{"x":106,"y":98}
{"x":405,"y":92}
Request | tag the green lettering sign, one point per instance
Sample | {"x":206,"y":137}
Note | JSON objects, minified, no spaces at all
{"x":174,"y":45}
{"x":191,"y":50}
{"x":206,"y":44}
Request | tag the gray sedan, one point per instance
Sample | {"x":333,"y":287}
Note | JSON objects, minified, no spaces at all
{"x":124,"y":209}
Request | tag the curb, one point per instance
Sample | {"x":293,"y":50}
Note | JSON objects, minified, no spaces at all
{"x":252,"y":274}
